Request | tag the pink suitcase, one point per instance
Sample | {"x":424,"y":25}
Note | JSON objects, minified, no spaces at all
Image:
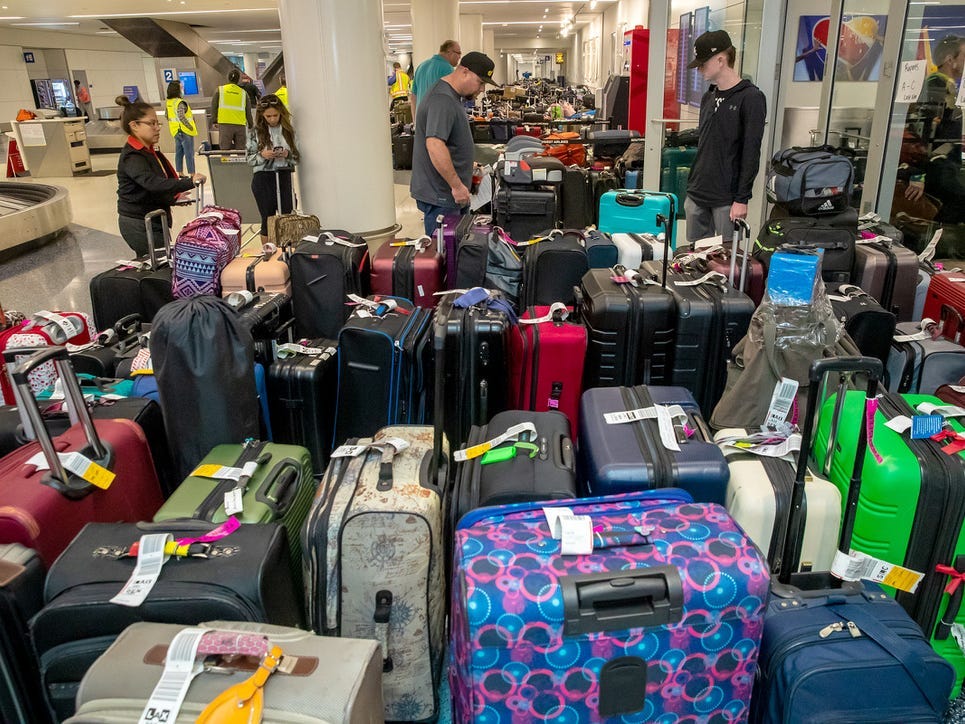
{"x":413,"y":270}
{"x":45,"y":509}
{"x":546,"y":363}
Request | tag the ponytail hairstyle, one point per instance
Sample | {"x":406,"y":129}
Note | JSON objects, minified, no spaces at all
{"x":132,"y":111}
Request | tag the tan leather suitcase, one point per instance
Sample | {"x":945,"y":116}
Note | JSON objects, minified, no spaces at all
{"x":257,"y":272}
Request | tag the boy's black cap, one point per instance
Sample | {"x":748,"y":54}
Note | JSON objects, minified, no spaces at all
{"x":480,"y":64}
{"x":708,"y":45}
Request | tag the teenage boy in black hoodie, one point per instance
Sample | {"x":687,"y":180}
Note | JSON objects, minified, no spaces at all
{"x":732,"y":114}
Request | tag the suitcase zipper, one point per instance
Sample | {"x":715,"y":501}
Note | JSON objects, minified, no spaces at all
{"x":534,"y":371}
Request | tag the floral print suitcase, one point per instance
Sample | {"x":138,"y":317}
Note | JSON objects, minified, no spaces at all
{"x":372,"y":548}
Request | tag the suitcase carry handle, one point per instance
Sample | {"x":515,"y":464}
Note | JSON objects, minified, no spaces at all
{"x":65,"y":483}
{"x":596,"y":602}
{"x":949,"y":311}
{"x":165,"y":234}
{"x":793,"y":541}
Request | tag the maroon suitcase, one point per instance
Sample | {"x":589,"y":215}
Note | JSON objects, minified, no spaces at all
{"x":952,"y":394}
{"x":719,"y":261}
{"x":546,"y":362}
{"x":43,"y":509}
{"x":413,"y":270}
{"x":452,"y":227}
{"x":945,"y":289}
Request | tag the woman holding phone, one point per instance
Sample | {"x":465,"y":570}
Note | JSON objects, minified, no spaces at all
{"x":272,"y":154}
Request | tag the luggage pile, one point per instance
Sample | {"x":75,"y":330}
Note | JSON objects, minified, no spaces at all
{"x":564,"y":473}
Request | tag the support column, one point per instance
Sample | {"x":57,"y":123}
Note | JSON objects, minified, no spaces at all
{"x":573,"y":68}
{"x":334,"y":63}
{"x":489,"y":48}
{"x":433,"y":23}
{"x":251,"y":65}
{"x":471,"y":32}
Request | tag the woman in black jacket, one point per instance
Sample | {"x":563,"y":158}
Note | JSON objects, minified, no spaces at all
{"x":146,"y":180}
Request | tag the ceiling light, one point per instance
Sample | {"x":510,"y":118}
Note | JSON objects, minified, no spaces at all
{"x":233,"y":41}
{"x":546,"y":10}
{"x":592,"y":4}
{"x":13,"y":17}
{"x":42,"y":25}
{"x":169,"y":12}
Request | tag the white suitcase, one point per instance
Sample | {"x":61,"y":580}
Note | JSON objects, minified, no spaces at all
{"x":633,"y":249}
{"x":758,"y":496}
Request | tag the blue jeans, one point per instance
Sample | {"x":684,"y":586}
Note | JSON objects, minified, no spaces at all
{"x":431,"y":212}
{"x":184,"y":151}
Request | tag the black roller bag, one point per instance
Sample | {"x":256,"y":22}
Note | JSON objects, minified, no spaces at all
{"x":117,"y":343}
{"x":835,"y":650}
{"x":869,"y":325}
{"x":552,"y":268}
{"x":244,"y":576}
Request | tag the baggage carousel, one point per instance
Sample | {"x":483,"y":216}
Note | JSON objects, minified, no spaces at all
{"x":30,"y":214}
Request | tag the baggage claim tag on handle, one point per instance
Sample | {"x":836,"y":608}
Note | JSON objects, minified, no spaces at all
{"x":857,"y":565}
{"x":575,"y":532}
{"x":663,"y":414}
{"x":475,"y":451}
{"x":234,"y":503}
{"x":150,"y":558}
{"x":79,"y":465}
{"x":180,"y":668}
{"x":782,"y":401}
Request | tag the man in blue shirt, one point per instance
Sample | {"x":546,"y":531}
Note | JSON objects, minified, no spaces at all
{"x":431,"y":70}
{"x":443,"y":149}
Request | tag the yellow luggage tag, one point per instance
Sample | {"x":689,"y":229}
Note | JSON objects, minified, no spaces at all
{"x":243,"y":703}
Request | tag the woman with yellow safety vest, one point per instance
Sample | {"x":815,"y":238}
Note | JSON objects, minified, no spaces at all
{"x":182,"y":126}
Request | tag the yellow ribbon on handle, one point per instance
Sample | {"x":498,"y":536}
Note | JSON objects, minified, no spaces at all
{"x":243,"y":703}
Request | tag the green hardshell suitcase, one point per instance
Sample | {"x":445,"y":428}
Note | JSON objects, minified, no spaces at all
{"x":280,"y":490}
{"x":911,"y":509}
{"x":675,"y":165}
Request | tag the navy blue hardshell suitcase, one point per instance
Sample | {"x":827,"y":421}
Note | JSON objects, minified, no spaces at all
{"x":601,"y":252}
{"x":629,"y":456}
{"x":841,"y":651}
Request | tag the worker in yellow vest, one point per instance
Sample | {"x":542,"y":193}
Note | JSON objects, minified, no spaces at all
{"x":399,"y":82}
{"x":182,"y":126}
{"x":282,"y":92}
{"x":231,"y":110}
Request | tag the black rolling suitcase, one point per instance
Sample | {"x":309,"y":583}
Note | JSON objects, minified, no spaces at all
{"x":711,"y":317}
{"x":476,"y":365}
{"x":21,"y":596}
{"x":472,"y":254}
{"x":102,"y":356}
{"x":575,"y":211}
{"x":550,"y":474}
{"x":600,"y":182}
{"x":269,"y":317}
{"x":402,"y":145}
{"x":836,"y":650}
{"x":630,"y":329}
{"x":869,"y":325}
{"x":323,"y":272}
{"x":244,"y":576}
{"x":384,"y":368}
{"x":137,"y":287}
{"x":552,"y":269}
{"x":302,"y":384}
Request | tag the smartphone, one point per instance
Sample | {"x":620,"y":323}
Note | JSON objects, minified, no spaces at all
{"x":276,"y":149}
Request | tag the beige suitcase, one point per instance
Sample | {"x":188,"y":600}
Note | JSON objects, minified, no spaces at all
{"x":257,"y":272}
{"x":332,"y":680}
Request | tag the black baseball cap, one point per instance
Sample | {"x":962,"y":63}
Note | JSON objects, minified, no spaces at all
{"x":480,"y":64}
{"x":708,"y":45}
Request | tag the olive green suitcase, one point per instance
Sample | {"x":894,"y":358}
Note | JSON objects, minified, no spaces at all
{"x":911,"y":508}
{"x":280,"y":490}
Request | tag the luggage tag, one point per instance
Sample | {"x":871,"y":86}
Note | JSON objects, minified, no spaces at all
{"x":181,"y":665}
{"x":766,"y":444}
{"x":856,"y":566}
{"x":709,"y":243}
{"x":928,"y":329}
{"x":290,"y":349}
{"x":70,"y":327}
{"x":329,"y":238}
{"x":557,"y":310}
{"x":421,"y":244}
{"x":712,"y":277}
{"x":234,"y":498}
{"x":375,"y":307}
{"x":151,"y":556}
{"x":513,"y":433}
{"x":956,"y":446}
{"x":782,"y":402}
{"x":663,"y":414}
{"x":81,"y":466}
{"x":928,"y":253}
{"x":124,"y":264}
{"x":502,"y":454}
{"x":575,"y":532}
{"x":926,"y":426}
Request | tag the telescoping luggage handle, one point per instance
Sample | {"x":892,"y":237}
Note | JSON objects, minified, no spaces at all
{"x":793,"y":541}
{"x":152,"y":254}
{"x":741,"y":229}
{"x":60,"y":479}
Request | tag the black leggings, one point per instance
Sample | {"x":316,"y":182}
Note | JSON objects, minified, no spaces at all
{"x":266,"y":194}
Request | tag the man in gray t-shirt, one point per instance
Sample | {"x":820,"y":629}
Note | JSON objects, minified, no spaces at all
{"x":442,"y":153}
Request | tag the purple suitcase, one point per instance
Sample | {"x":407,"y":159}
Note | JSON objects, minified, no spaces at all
{"x":451,"y":228}
{"x":662,"y":622}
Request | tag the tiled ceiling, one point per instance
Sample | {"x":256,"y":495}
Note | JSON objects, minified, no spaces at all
{"x":253,"y":26}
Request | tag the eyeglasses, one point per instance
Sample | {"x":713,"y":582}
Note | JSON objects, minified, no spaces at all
{"x":272,"y":103}
{"x":156,"y":124}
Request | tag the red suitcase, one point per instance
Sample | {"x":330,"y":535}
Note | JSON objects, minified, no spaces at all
{"x":546,"y":363}
{"x":535,"y":132}
{"x":44,"y":510}
{"x":413,"y":270}
{"x":945,"y":288}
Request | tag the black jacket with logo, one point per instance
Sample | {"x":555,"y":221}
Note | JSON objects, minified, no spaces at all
{"x":729,"y":147}
{"x":146,"y":182}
